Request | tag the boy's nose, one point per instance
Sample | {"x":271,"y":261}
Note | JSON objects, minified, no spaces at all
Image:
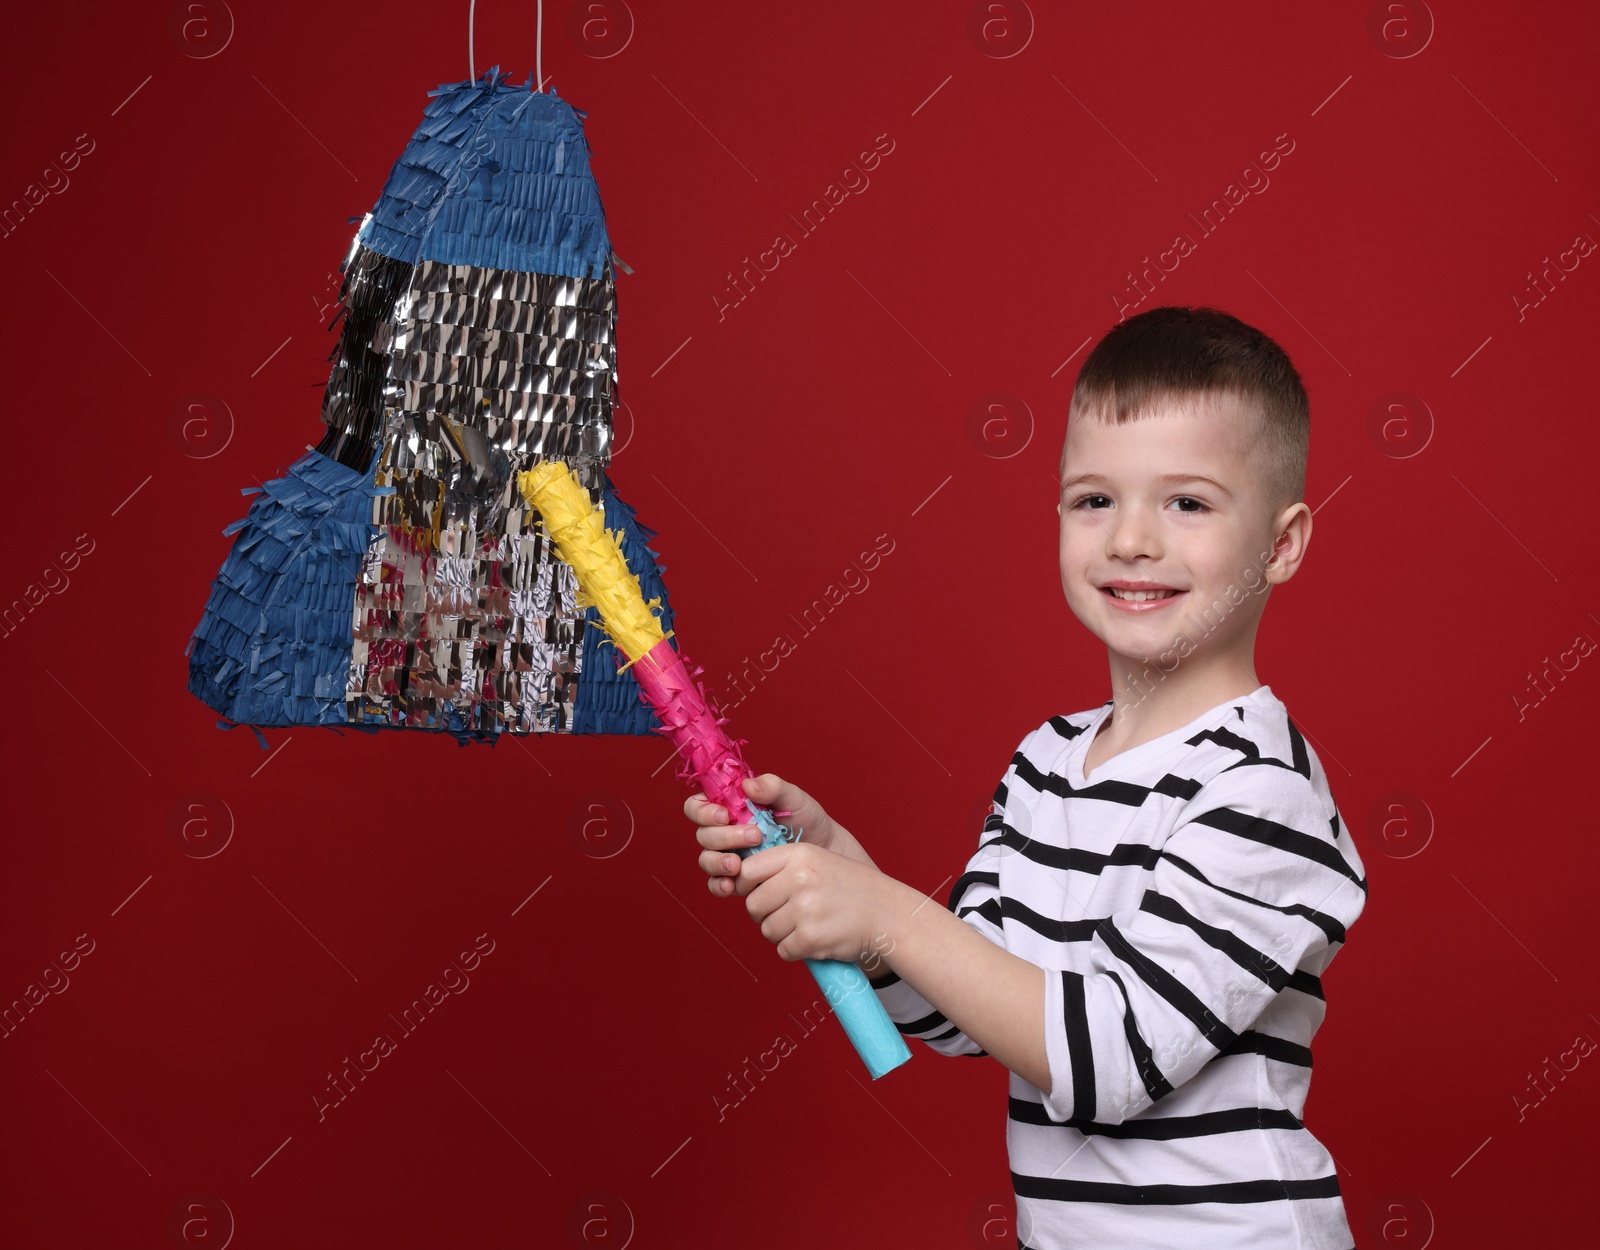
{"x":1132,"y":535}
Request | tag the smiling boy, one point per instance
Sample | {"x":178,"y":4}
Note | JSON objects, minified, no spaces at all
{"x":1162,"y":880}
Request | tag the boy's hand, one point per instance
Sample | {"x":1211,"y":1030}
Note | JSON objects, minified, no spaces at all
{"x":719,"y":837}
{"x":815,"y":904}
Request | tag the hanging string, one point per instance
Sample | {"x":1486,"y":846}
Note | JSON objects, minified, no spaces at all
{"x":538,"y":50}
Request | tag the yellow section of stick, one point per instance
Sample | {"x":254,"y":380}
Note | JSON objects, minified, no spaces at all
{"x":578,"y":529}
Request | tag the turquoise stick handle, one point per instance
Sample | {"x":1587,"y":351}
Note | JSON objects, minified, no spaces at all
{"x":866,"y":1023}
{"x":851,"y":996}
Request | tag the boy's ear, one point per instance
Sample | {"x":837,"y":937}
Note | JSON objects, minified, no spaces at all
{"x":1291,"y":533}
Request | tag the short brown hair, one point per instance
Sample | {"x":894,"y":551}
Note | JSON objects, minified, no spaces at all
{"x":1180,"y":351}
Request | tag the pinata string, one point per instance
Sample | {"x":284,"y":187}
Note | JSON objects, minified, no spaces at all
{"x":538,"y":46}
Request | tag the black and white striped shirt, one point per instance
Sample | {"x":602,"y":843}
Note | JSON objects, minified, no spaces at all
{"x":1183,"y":901}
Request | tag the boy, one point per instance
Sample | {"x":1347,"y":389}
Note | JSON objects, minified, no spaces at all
{"x":1162,"y":879}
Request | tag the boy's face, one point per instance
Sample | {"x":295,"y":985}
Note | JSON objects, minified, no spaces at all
{"x":1135,"y":509}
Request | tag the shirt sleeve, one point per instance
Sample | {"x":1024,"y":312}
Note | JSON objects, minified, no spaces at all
{"x":1257,"y":882}
{"x":974,"y":898}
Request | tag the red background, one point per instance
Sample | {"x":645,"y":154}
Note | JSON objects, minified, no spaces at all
{"x":1434,"y":164}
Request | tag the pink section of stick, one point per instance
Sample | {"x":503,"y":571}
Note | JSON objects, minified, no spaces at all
{"x":705,"y":753}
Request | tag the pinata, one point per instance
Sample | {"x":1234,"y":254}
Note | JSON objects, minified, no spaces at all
{"x":393,"y":576}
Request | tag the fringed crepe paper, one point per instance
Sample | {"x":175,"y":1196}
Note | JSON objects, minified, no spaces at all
{"x":706,"y":755}
{"x":394,"y":577}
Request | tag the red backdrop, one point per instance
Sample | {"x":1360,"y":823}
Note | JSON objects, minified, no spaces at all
{"x":1405,"y":199}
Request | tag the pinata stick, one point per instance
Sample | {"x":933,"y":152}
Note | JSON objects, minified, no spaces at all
{"x":706,"y":754}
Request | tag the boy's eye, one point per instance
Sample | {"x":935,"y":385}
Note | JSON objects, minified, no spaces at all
{"x":1190,"y":499}
{"x":1087,"y":501}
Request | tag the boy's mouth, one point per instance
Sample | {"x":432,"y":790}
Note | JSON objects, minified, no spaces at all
{"x":1139,"y":596}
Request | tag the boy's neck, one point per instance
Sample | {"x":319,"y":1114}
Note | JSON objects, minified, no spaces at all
{"x":1143,"y":709}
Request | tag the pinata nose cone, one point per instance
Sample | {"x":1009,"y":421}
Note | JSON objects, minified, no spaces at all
{"x":394,"y":577}
{"x":496,"y":176}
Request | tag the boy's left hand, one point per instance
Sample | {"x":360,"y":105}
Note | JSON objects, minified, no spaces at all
{"x":812,"y":903}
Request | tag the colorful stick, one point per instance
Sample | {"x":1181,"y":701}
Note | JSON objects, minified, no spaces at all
{"x":706,"y":755}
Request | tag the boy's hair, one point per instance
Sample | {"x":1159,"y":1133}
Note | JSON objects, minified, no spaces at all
{"x":1178,"y":352}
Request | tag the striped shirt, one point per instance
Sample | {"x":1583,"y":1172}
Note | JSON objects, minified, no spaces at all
{"x":1183,"y":900}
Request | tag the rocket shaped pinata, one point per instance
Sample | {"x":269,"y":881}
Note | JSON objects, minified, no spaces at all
{"x":395,"y":577}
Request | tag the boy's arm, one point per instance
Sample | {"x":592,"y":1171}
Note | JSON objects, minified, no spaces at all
{"x":975,"y":906}
{"x":994,"y":997}
{"x":1251,"y":897}
{"x":968,"y":979}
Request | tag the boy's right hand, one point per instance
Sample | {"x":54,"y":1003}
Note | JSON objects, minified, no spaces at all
{"x":770,"y":791}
